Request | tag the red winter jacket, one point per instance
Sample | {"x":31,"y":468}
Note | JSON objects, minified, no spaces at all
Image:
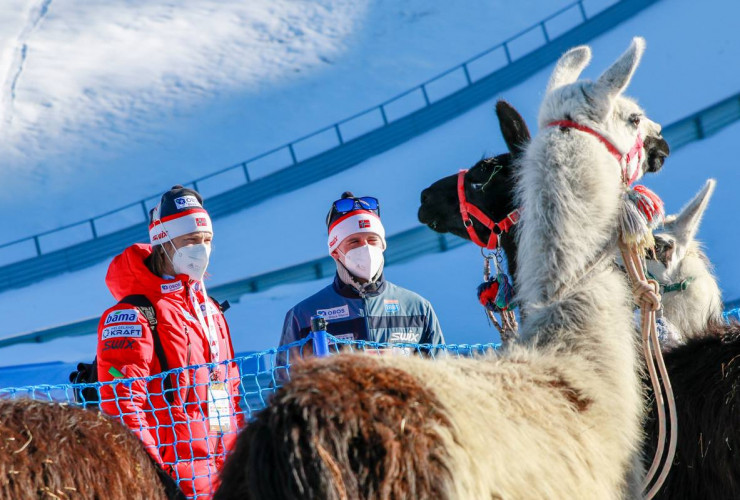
{"x":178,"y":436}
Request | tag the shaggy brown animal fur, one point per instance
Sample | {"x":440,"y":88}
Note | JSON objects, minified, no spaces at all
{"x":705,"y":373}
{"x":378,"y":419}
{"x":57,"y":451}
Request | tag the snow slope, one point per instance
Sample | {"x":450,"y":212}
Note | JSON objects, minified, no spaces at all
{"x":117,"y":99}
{"x":679,"y":75}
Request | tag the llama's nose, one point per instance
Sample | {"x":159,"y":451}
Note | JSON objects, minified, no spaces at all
{"x":425,"y":196}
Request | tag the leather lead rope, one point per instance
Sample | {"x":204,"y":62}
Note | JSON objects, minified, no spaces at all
{"x":646,"y":294}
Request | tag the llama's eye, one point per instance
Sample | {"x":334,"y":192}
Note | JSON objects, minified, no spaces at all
{"x":635,"y":120}
{"x":476,"y":185}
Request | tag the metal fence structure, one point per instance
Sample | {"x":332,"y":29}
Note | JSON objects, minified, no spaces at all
{"x":327,"y":151}
{"x":402,"y":246}
{"x":258,"y":376}
{"x":201,"y":422}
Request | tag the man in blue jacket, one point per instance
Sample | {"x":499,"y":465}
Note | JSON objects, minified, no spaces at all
{"x":361,"y":304}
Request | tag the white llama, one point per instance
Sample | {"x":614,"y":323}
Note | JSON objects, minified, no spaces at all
{"x":692,"y":300}
{"x":556,"y":417}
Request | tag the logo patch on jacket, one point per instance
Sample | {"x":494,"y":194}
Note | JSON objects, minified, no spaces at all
{"x":334,"y":312}
{"x":391,"y":305}
{"x":409,"y":337}
{"x":122,"y":344}
{"x":171,"y":287}
{"x":121,"y":331}
{"x":122,"y":316}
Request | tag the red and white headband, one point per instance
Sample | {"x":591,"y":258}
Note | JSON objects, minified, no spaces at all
{"x":188,"y":221}
{"x":357,"y":221}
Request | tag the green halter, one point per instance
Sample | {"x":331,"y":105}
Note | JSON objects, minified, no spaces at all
{"x":679,"y":286}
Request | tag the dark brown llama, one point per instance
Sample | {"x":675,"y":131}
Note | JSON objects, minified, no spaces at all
{"x":59,"y":451}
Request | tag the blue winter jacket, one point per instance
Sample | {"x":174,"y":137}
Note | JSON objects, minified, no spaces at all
{"x":387,"y":313}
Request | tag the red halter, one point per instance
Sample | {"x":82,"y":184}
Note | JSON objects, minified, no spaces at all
{"x":468,"y":209}
{"x":624,"y":160}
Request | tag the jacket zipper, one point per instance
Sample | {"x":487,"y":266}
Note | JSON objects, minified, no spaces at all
{"x":367,"y":321}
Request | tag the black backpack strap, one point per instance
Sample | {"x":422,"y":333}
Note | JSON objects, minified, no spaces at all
{"x":223,"y":306}
{"x":145,"y":306}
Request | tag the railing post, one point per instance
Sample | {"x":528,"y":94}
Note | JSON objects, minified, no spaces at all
{"x":544,"y":32}
{"x":339,"y":134}
{"x":38,"y":246}
{"x":583,"y":11}
{"x":246,"y":172}
{"x":319,"y":270}
{"x":506,"y":51}
{"x":424,"y":91}
{"x":382,"y":113}
{"x":92,"y":226}
{"x":699,"y":127}
{"x":146,"y":211}
{"x":292,"y":153}
{"x":442,"y":243}
{"x":195,"y":186}
{"x":467,"y":73}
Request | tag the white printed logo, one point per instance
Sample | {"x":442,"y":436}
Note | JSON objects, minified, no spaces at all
{"x":186,"y":202}
{"x":122,"y":316}
{"x":171,"y":287}
{"x":404,"y":336}
{"x":334,"y":312}
{"x":121,"y":331}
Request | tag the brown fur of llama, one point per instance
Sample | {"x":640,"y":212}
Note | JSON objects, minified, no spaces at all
{"x":58,"y":451}
{"x":379,"y":423}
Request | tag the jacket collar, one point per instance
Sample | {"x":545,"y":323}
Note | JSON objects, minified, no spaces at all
{"x":350,"y":292}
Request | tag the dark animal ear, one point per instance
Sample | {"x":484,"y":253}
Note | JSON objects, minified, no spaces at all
{"x":513,"y":127}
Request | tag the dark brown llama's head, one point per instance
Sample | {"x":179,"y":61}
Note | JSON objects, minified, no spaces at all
{"x":489,"y":185}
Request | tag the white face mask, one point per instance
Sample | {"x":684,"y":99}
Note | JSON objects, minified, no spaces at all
{"x":364,"y":262}
{"x":192,"y":260}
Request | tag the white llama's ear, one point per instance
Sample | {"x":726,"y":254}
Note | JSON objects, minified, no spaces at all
{"x":569,"y":67}
{"x":615,"y":79}
{"x":686,"y":224}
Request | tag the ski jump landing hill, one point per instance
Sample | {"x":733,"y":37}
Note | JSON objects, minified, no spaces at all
{"x":408,"y":244}
{"x":326,"y":152}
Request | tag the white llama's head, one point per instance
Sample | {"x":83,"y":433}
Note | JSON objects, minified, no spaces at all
{"x":601,"y":105}
{"x":677,"y":237}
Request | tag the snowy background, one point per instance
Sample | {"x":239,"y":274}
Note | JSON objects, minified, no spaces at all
{"x":107,"y":102}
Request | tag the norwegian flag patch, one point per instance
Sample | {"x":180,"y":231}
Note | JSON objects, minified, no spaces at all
{"x":364,"y":223}
{"x":201,"y":222}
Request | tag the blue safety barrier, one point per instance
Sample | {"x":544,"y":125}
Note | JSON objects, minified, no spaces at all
{"x":732,"y":314}
{"x":209,"y":418}
{"x":142,"y":403}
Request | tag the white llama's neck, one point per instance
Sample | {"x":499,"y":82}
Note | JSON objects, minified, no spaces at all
{"x":573,"y":300}
{"x":694,"y":309}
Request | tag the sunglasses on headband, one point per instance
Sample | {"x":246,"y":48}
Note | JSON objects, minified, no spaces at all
{"x":345,"y":205}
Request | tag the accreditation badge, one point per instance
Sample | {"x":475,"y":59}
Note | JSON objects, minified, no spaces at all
{"x":219,"y":407}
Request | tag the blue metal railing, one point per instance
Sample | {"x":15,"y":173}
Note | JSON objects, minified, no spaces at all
{"x":36,"y":257}
{"x":402,"y":246}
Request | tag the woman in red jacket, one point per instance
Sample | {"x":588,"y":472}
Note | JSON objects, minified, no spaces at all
{"x":188,"y":421}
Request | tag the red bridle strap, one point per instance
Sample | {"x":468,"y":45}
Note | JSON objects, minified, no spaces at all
{"x":623,"y":160}
{"x":468,"y":209}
